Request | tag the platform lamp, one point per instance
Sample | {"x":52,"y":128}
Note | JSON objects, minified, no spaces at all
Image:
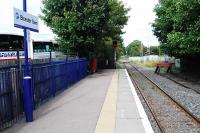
{"x":115,"y":45}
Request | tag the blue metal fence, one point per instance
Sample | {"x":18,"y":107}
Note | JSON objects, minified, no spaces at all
{"x":11,"y":99}
{"x":47,"y":80}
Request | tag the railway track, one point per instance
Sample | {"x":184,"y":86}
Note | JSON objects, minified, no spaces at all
{"x":186,"y":120}
{"x":198,"y":92}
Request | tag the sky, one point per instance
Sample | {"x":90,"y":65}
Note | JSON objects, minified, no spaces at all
{"x":139,"y":24}
{"x":138,"y":27}
{"x":7,"y":20}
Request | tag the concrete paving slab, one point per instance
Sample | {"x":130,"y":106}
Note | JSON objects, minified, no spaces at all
{"x":129,"y":119}
{"x":75,"y":110}
{"x":129,"y":126}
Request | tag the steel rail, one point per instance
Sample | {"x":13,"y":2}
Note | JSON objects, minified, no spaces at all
{"x":197,"y":120}
{"x":146,"y":101}
{"x":178,"y":83}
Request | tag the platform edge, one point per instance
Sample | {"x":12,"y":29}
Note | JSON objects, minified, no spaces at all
{"x":145,"y":121}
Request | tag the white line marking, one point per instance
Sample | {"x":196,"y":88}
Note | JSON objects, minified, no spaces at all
{"x":145,"y":120}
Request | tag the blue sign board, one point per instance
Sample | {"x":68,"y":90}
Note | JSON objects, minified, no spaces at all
{"x":25,"y":20}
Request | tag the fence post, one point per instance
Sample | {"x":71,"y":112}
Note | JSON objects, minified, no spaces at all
{"x":65,"y":78}
{"x":78,"y":70}
{"x":85,"y":67}
{"x":15,"y":91}
{"x":53,"y":79}
{"x":68,"y":75}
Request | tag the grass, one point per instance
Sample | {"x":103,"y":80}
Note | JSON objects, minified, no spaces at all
{"x":118,"y":66}
{"x":149,"y":64}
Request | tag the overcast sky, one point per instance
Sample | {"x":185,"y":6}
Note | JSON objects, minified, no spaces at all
{"x":139,"y":24}
{"x":138,"y":27}
{"x":7,"y":20}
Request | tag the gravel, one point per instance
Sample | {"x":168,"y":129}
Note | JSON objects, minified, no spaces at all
{"x":171,"y":118}
{"x":149,"y":114}
{"x":147,"y":111}
{"x":186,"y":97}
{"x":195,"y":85}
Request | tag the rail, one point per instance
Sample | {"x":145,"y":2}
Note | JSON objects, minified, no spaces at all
{"x":193,"y":117}
{"x":146,"y":101}
{"x":177,"y":103}
{"x":198,"y":92}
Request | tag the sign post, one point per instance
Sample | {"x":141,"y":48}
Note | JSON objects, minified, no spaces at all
{"x":26,"y":21}
{"x":27,"y":79}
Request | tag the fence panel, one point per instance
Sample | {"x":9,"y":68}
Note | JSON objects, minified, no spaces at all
{"x":47,"y":79}
{"x":60,"y":76}
{"x":73,"y":71}
{"x":11,"y":98}
{"x":83,"y":68}
{"x":42,"y":84}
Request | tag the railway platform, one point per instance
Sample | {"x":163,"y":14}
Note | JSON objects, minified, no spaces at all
{"x":105,"y":102}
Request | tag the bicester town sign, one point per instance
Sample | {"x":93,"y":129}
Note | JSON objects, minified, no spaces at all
{"x":25,"y":20}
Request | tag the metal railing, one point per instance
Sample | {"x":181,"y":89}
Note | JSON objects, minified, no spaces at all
{"x":11,"y":98}
{"x":47,"y":80}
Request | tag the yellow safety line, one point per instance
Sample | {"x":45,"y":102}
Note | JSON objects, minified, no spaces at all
{"x":106,"y":122}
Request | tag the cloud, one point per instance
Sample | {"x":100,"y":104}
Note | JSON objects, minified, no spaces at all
{"x":7,"y":21}
{"x":138,"y":27}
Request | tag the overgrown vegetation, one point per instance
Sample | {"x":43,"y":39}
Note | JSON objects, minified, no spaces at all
{"x":84,"y":26}
{"x":136,"y":48}
{"x":178,"y":26}
{"x":149,"y":64}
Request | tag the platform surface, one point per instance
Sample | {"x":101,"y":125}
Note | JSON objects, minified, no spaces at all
{"x":104,"y":102}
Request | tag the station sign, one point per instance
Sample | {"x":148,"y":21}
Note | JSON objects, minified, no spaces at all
{"x":25,"y":20}
{"x":11,"y":55}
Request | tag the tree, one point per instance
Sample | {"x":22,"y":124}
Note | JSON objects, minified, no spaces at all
{"x":178,"y":26}
{"x":118,"y":18}
{"x":84,"y":25}
{"x":77,"y":23}
{"x":113,"y":30}
{"x":154,"y":50}
{"x":135,"y":48}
